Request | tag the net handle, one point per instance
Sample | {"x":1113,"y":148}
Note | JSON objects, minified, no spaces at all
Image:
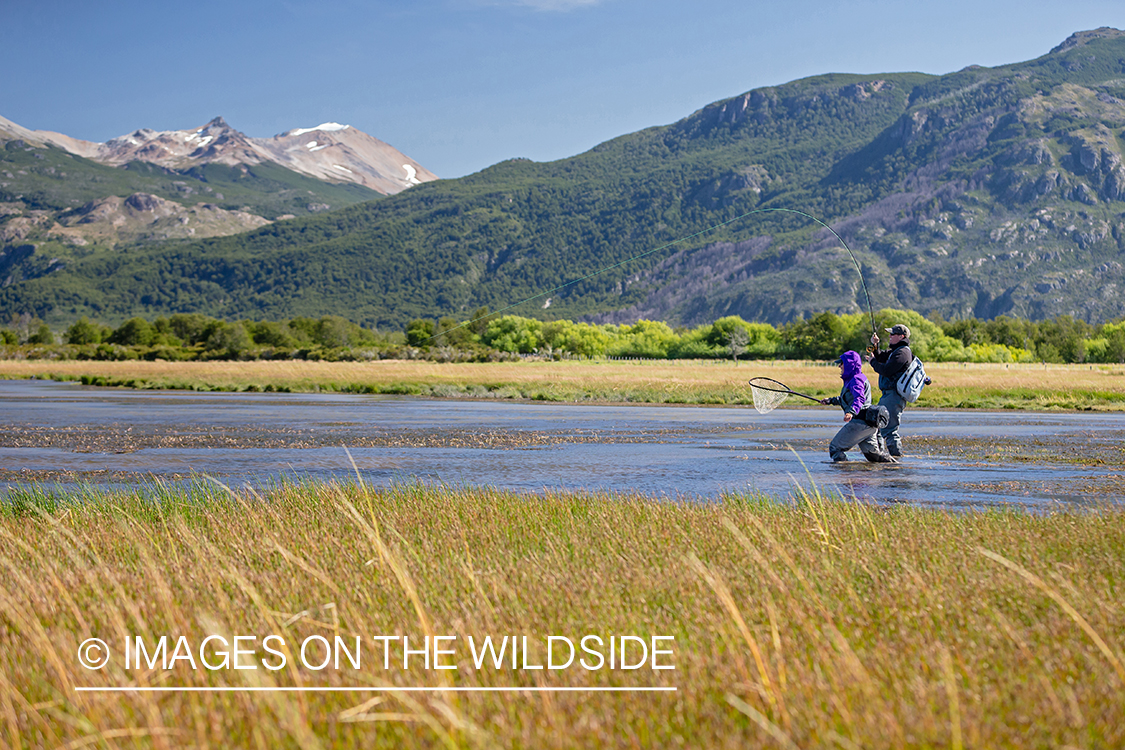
{"x":754,"y":383}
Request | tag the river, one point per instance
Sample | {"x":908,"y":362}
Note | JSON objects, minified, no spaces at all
{"x":60,"y":434}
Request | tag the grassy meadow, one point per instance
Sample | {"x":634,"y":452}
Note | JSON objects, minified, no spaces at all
{"x":810,"y":623}
{"x":956,"y":385}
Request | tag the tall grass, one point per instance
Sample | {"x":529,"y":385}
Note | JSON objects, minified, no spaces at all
{"x":811,"y":622}
{"x":1014,"y":386}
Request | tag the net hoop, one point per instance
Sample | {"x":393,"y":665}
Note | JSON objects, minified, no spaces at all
{"x":769,"y":393}
{"x":769,"y":384}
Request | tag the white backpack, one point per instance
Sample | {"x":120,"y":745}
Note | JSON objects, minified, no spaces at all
{"x":911,"y":381}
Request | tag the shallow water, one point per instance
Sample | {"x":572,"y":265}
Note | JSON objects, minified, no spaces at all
{"x":58,"y":433}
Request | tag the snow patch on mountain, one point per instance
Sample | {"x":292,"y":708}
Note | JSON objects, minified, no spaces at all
{"x":326,"y":127}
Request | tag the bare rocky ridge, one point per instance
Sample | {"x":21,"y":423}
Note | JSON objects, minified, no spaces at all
{"x":330,"y":152}
{"x":148,"y":218}
{"x":338,"y":152}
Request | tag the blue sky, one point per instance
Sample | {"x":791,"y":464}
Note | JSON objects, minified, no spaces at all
{"x":459,"y":85}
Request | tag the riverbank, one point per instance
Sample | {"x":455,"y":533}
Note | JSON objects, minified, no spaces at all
{"x":956,"y":385}
{"x":804,"y":622}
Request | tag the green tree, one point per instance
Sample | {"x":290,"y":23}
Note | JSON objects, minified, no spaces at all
{"x":1064,"y":338}
{"x":191,"y":328}
{"x":1007,"y":331}
{"x":271,"y":333}
{"x":765,"y":341}
{"x":693,"y":344}
{"x":452,"y":333}
{"x":512,"y":333}
{"x":646,"y":338}
{"x":42,"y":335}
{"x":228,"y":339}
{"x":1115,"y":342}
{"x":479,"y":321}
{"x":721,"y":330}
{"x":581,"y":339}
{"x":333,"y":332}
{"x":968,"y":331}
{"x":420,"y":332}
{"x":165,"y":336}
{"x":758,"y":340}
{"x":83,"y":331}
{"x":821,"y":337}
{"x":133,"y":332}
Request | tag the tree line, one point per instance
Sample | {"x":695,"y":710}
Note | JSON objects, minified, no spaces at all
{"x":484,"y":336}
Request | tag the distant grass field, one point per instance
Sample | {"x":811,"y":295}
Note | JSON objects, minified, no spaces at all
{"x":801,"y":623}
{"x":984,"y":386}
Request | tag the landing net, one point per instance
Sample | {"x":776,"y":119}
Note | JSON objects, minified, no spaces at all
{"x":766,"y":401}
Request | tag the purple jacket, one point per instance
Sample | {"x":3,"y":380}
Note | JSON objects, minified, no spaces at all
{"x":856,"y":393}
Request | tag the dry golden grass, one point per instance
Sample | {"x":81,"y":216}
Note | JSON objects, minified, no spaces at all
{"x":650,"y":381}
{"x":815,"y":624}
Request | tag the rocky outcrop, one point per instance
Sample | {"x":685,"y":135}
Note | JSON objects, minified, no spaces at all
{"x":1081,"y":38}
{"x":147,"y":218}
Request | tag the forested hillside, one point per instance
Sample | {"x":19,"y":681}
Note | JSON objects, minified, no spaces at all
{"x":57,"y":209}
{"x":984,"y":192}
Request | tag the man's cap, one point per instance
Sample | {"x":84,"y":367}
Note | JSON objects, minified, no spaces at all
{"x":899,"y":329}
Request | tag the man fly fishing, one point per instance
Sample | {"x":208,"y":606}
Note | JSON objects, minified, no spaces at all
{"x":890,"y":364}
{"x":855,"y":400}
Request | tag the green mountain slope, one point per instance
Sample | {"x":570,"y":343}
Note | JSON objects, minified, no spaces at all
{"x":53,"y":180}
{"x":50,"y":201}
{"x":986,"y":191}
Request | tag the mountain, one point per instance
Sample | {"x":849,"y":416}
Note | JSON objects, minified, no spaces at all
{"x":339,"y":152}
{"x":329,"y":152}
{"x":983,"y":192}
{"x":68,"y":198}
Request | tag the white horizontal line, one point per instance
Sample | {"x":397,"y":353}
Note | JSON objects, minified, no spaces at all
{"x":219,"y":689}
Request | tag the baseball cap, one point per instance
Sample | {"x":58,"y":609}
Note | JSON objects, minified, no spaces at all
{"x":899,"y":329}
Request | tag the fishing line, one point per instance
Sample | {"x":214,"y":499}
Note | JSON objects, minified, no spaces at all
{"x":665,"y":246}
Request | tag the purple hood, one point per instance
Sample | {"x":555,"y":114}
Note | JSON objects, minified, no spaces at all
{"x":853,"y":396}
{"x":852,"y":365}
